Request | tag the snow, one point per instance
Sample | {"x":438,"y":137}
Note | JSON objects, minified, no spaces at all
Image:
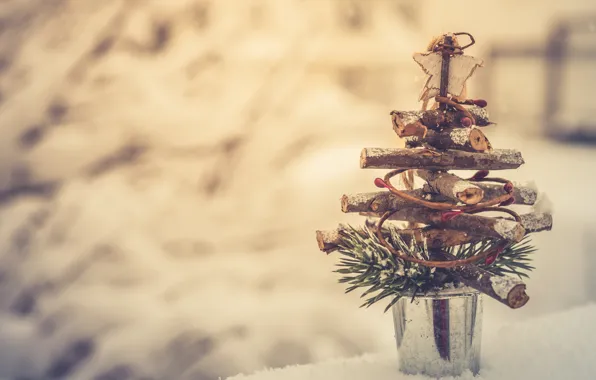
{"x":460,"y":187}
{"x":508,"y":156}
{"x":460,"y":136}
{"x":506,"y":228}
{"x":527,"y":191}
{"x":503,"y":287}
{"x":552,"y":347}
{"x":536,"y":220}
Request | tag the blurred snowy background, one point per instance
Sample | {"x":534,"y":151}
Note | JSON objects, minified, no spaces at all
{"x":164,"y":164}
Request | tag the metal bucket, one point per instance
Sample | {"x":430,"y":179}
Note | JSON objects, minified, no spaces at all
{"x":439,"y":334}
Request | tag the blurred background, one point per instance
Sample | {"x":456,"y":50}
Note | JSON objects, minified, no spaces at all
{"x":164,"y":165}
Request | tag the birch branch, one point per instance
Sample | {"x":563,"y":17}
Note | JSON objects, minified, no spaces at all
{"x":382,"y":201}
{"x":536,"y":222}
{"x":452,"y":187}
{"x":400,"y":158}
{"x":509,"y":291}
{"x":435,"y":237}
{"x":498,"y":228}
{"x":466,"y":139}
{"x":436,"y":119}
{"x":475,"y":224}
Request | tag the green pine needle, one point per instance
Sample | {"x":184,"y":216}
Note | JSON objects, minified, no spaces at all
{"x":368,"y":264}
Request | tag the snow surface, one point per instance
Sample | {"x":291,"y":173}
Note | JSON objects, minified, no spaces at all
{"x":553,"y":347}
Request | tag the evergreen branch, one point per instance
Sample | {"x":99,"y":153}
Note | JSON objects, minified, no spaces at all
{"x":366,"y":263}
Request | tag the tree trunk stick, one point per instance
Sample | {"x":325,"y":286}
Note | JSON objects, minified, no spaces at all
{"x":536,"y":222}
{"x":379,"y":201}
{"x":436,"y":120}
{"x":435,"y":237}
{"x":498,"y":228}
{"x":382,"y":201}
{"x":444,"y":85}
{"x":452,"y":187}
{"x":523,"y":194}
{"x":399,"y":158}
{"x":466,"y":139}
{"x":531,"y":222}
{"x":509,"y":291}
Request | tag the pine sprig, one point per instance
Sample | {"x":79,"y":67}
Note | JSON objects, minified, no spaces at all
{"x":366,"y":263}
{"x":514,"y":260}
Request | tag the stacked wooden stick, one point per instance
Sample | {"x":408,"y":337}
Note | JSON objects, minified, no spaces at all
{"x":438,"y":141}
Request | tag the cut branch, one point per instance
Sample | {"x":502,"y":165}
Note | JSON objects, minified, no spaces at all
{"x":498,"y":228}
{"x":435,"y":237}
{"x":467,"y":139}
{"x":536,"y":222}
{"x":382,"y":201}
{"x":399,"y":158}
{"x":407,"y":130}
{"x":509,"y":291}
{"x":522,"y":194}
{"x":436,"y":119}
{"x":481,"y":226}
{"x":452,"y":187}
{"x":328,"y":240}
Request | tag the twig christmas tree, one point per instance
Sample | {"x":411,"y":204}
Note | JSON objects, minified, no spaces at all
{"x":447,"y":242}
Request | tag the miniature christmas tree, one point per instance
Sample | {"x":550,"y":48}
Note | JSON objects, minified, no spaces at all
{"x":460,"y":231}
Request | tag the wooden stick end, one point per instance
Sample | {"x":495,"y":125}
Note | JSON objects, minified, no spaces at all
{"x":471,"y":195}
{"x":364,"y":158}
{"x":478,"y":141}
{"x":323,"y":240}
{"x":345,"y":203}
{"x":517,"y":297}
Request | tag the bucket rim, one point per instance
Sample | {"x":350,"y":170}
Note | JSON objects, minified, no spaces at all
{"x":449,"y":292}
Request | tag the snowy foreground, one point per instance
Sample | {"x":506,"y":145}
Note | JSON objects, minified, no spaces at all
{"x":556,"y":346}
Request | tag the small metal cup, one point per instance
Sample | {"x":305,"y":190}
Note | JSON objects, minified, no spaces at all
{"x":439,"y":334}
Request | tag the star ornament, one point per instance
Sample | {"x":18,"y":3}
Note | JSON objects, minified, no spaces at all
{"x":461,"y":67}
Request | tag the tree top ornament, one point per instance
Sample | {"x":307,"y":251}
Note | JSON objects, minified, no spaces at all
{"x":461,"y":67}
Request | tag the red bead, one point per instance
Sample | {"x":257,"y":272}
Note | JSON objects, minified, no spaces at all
{"x":448,"y":215}
{"x":508,"y":202}
{"x":480,"y":174}
{"x":466,"y":121}
{"x":508,"y":187}
{"x":480,"y":103}
{"x":490,"y":259}
{"x":380,"y":183}
{"x":493,"y":256}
